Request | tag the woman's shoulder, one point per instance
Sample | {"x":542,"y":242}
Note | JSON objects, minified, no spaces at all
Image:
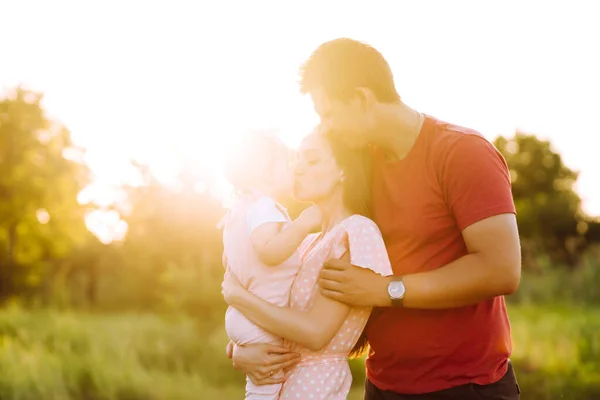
{"x":360,"y":223}
{"x":365,"y":244}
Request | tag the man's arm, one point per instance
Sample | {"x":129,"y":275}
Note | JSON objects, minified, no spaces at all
{"x":492,"y":268}
{"x":477,"y":188}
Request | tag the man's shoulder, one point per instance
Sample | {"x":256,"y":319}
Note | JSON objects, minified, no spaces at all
{"x":449,"y":133}
{"x":448,"y":137}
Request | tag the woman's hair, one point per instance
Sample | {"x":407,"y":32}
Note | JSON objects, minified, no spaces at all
{"x":356,"y":165}
{"x":249,"y":162}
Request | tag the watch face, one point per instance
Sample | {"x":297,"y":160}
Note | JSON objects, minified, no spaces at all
{"x":396,"y":289}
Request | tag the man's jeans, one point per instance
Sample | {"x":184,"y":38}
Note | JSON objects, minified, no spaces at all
{"x":506,"y":388}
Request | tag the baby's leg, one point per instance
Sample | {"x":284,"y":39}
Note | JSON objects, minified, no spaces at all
{"x":263,"y":392}
{"x":244,"y":332}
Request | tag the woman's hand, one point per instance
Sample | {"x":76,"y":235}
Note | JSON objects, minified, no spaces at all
{"x":231,"y":288}
{"x":260,"y":362}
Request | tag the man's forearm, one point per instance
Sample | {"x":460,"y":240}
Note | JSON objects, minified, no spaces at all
{"x":468,"y":280}
{"x":492,"y":268}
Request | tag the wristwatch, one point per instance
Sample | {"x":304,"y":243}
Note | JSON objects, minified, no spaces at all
{"x":396,"y":291}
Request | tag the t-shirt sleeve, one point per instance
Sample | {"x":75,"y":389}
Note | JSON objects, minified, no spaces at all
{"x":476,"y":181}
{"x":262,"y":211}
{"x":366,"y":247}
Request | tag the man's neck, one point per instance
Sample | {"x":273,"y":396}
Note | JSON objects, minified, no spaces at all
{"x":399,"y":130}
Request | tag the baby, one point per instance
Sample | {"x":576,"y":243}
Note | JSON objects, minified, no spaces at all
{"x":259,"y":238}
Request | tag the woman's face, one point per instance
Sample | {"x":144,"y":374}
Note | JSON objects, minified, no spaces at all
{"x":316,"y":173}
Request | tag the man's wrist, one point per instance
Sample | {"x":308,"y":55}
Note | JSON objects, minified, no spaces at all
{"x":383,"y":299}
{"x":392,"y":295}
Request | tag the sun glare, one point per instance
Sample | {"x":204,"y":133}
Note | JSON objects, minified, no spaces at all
{"x":198,"y":155}
{"x":176,"y":98}
{"x":106,"y":225}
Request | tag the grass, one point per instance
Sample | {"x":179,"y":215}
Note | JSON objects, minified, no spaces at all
{"x":557,"y":351}
{"x":67,"y":355}
{"x":62,"y":355}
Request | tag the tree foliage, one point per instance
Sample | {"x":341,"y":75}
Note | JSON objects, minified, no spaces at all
{"x":171,"y":255}
{"x":41,"y":221}
{"x":548,"y":208}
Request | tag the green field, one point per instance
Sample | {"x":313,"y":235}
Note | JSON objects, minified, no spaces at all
{"x":56,"y":355}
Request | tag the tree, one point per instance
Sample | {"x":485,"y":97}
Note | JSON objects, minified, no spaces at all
{"x":548,"y":209}
{"x":41,"y":176}
{"x":171,"y":254}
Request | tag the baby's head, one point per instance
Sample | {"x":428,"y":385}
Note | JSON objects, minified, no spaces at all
{"x":260,"y":161}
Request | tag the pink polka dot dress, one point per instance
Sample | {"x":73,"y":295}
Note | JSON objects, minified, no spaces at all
{"x":325,"y":374}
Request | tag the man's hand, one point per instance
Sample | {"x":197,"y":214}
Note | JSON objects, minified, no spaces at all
{"x":261,"y":361}
{"x":352,"y":285}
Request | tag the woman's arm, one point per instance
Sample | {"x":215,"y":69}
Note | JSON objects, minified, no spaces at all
{"x":313,"y":329}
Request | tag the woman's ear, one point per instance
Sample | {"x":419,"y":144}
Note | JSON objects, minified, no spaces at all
{"x":342,"y":177}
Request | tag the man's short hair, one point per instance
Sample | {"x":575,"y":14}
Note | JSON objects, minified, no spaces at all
{"x":340,"y":66}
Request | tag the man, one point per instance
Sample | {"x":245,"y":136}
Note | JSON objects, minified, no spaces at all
{"x":442,"y":199}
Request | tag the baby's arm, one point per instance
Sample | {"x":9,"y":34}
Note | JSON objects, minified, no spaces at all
{"x":275,"y":242}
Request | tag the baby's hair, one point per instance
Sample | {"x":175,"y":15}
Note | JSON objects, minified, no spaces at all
{"x":249,"y":162}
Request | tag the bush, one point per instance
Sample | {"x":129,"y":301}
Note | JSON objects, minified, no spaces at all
{"x":557,"y":352}
{"x":55,"y":355}
{"x":561,"y":285}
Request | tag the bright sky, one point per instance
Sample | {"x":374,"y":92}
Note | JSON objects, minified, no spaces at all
{"x":173,"y":80}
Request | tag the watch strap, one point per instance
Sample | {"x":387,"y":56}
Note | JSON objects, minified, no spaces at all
{"x":398,"y":303}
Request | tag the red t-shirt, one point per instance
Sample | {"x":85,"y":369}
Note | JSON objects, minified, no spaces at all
{"x":451,"y":178}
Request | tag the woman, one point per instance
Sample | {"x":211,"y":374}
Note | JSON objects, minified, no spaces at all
{"x":324,"y":332}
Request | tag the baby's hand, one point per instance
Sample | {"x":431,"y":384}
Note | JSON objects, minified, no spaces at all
{"x":311,"y":219}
